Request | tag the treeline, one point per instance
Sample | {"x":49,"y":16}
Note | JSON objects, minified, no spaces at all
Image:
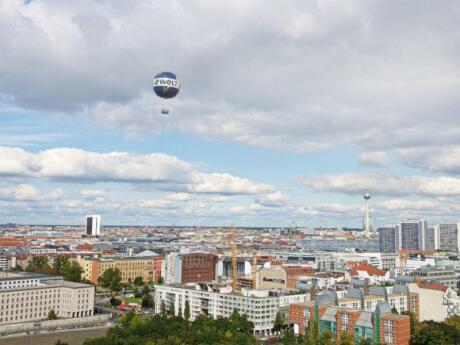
{"x":62,"y":266}
{"x":176,"y":330}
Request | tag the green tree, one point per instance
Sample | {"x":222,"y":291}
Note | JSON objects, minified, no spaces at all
{"x":72,"y":272}
{"x":187,"y":310}
{"x":52,"y":315}
{"x":326,"y":338}
{"x":163,"y":311}
{"x":160,"y":281}
{"x":60,"y":263}
{"x":39,"y":264}
{"x":436,"y":333}
{"x":172,"y":309}
{"x":279,"y":321}
{"x":345,"y":339}
{"x":138,"y":281}
{"x":146,"y":290}
{"x":111,"y":278}
{"x":413,"y":321}
{"x":147,"y":301}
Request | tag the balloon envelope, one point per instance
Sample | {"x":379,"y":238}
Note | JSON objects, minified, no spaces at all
{"x":166,"y":85}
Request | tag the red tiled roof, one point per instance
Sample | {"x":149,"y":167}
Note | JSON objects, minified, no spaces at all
{"x":371,"y":270}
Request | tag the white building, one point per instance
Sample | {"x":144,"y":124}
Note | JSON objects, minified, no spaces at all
{"x":260,"y":306}
{"x":26,"y":297}
{"x":93,"y":225}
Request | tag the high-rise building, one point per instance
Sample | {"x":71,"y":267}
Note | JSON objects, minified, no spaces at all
{"x":431,"y":238}
{"x":449,"y":236}
{"x":412,"y":234}
{"x":93,"y":225}
{"x":388,"y":239}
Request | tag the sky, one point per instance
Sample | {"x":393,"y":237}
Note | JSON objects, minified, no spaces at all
{"x":288,"y":111}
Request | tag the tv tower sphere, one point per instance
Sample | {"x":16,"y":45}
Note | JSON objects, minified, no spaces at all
{"x":366,"y":195}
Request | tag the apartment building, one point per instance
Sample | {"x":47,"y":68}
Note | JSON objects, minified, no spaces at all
{"x":260,"y":306}
{"x":26,"y":296}
{"x":443,"y":275}
{"x":379,"y":325}
{"x":149,"y":268}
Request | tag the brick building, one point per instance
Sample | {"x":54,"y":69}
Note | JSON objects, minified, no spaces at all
{"x":380,"y":326}
{"x":198,"y":267}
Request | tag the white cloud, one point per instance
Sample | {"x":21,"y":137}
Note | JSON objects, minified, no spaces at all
{"x":433,"y":159}
{"x":178,"y":197}
{"x":375,"y":158}
{"x":162,"y":171}
{"x":25,"y":192}
{"x":276,"y":199}
{"x":336,"y":84}
{"x":385,"y":184}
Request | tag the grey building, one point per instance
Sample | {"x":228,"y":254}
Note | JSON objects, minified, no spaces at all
{"x":449,"y":237}
{"x":388,"y":239}
{"x":431,"y":238}
{"x":412,"y":234}
{"x":444,"y":275}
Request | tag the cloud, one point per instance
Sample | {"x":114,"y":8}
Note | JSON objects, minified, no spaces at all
{"x":25,"y":192}
{"x":320,"y":78}
{"x":385,"y":184}
{"x":376,"y":159}
{"x":433,"y":159}
{"x":276,"y":199}
{"x":164,"y":172}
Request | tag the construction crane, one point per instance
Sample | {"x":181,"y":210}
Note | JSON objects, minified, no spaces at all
{"x":234,"y":260}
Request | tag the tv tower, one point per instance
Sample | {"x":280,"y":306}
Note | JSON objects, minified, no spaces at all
{"x":366,"y":197}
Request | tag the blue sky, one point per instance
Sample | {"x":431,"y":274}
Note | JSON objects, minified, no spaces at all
{"x":287,"y":111}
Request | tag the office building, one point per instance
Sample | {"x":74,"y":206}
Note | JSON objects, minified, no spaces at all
{"x":449,"y":236}
{"x":412,"y":235}
{"x":26,"y":297}
{"x":93,"y":225}
{"x":388,"y":239}
{"x":444,"y":275}
{"x":431,"y":238}
{"x":190,"y":268}
{"x":260,"y":306}
{"x":149,"y":268}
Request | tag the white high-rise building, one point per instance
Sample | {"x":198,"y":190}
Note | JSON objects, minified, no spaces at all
{"x":93,"y":225}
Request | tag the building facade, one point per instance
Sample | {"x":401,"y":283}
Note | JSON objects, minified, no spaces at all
{"x":149,"y":268}
{"x":93,"y":225}
{"x":260,"y":306}
{"x":388,"y":239}
{"x":26,"y":297}
{"x":412,"y":235}
{"x":449,"y":236}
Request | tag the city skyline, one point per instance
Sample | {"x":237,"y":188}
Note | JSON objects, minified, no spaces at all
{"x":365,"y":88}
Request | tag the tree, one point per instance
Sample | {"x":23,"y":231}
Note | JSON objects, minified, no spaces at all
{"x":138,"y":281}
{"x":147,"y":301}
{"x":59,"y":342}
{"x":72,"y":272}
{"x":434,"y":333}
{"x":187,"y":310}
{"x":163,"y":312}
{"x":326,"y":338}
{"x":146,"y":290}
{"x":346,"y":339}
{"x":111,"y":278}
{"x":413,"y":321}
{"x":172,"y":309}
{"x":279,"y":321}
{"x":114,"y":301}
{"x":52,"y":315}
{"x":160,"y":281}
{"x":40,"y":264}
{"x":59,"y":264}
